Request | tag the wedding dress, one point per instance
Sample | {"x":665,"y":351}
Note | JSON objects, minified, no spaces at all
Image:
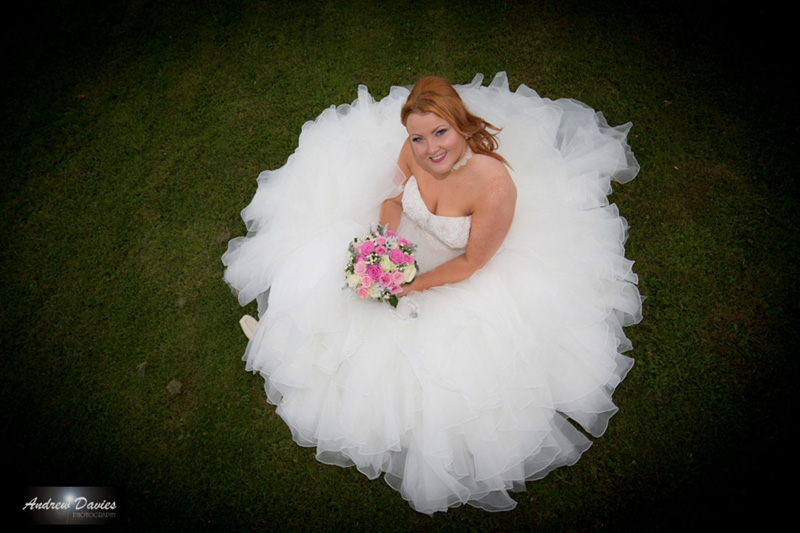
{"x":465,"y":391}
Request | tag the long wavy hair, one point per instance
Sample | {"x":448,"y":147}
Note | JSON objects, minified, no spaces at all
{"x":436,"y":95}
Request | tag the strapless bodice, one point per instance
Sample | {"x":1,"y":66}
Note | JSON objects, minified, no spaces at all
{"x":452,"y":232}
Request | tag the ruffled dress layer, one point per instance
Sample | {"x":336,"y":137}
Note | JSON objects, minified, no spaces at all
{"x":466,"y":391}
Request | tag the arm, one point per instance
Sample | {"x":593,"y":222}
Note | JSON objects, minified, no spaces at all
{"x":491,"y":220}
{"x":391,"y":212}
{"x":392,"y":208}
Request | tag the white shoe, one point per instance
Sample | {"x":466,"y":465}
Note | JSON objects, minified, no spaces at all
{"x":249,"y":325}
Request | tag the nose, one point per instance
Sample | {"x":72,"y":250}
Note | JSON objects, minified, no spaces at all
{"x":432,"y":146}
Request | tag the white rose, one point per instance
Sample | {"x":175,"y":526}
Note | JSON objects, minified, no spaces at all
{"x":353,"y":280}
{"x":410,"y":272}
{"x":386,"y":264}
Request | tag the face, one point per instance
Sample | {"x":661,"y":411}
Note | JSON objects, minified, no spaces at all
{"x":437,"y":144}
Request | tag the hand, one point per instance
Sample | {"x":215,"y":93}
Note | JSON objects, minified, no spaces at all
{"x":408,"y":288}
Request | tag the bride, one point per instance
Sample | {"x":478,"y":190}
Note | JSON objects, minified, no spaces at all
{"x":513,"y":325}
{"x":439,"y":156}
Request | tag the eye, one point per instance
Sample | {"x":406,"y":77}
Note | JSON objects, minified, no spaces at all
{"x":441,"y":132}
{"x":416,"y":139}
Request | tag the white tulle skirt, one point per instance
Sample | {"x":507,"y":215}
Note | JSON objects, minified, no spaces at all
{"x":466,"y":391}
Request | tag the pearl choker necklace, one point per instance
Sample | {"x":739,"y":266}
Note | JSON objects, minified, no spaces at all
{"x":463,"y":161}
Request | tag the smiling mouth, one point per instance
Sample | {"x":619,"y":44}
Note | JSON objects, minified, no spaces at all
{"x":438,"y":158}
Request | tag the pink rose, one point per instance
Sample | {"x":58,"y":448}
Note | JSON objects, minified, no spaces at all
{"x":398,"y":278}
{"x":386,"y":279}
{"x":363,"y":293}
{"x":394,"y":289}
{"x":402,"y":242}
{"x":367,"y":247}
{"x":397,"y":256}
{"x":380,"y":250}
{"x":374,"y":272}
{"x":360,"y":268}
{"x":381,"y":241}
{"x":366,"y":282}
{"x":409,"y":259}
{"x":390,"y":233}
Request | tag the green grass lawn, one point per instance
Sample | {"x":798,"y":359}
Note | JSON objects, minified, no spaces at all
{"x":133,"y":133}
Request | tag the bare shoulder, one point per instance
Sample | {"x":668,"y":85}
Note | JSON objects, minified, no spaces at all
{"x":494,"y":202}
{"x":493,"y":181}
{"x":406,"y":159}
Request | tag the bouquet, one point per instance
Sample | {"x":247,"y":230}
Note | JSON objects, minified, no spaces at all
{"x":378,"y":264}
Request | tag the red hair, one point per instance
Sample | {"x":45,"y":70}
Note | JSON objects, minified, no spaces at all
{"x":436,"y":95}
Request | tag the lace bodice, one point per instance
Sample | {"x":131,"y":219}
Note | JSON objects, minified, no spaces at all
{"x":449,"y":232}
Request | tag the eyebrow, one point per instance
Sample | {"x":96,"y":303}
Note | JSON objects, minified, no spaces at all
{"x":434,"y":130}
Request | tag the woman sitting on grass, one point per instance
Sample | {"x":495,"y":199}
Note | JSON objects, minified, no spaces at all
{"x":512,"y":325}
